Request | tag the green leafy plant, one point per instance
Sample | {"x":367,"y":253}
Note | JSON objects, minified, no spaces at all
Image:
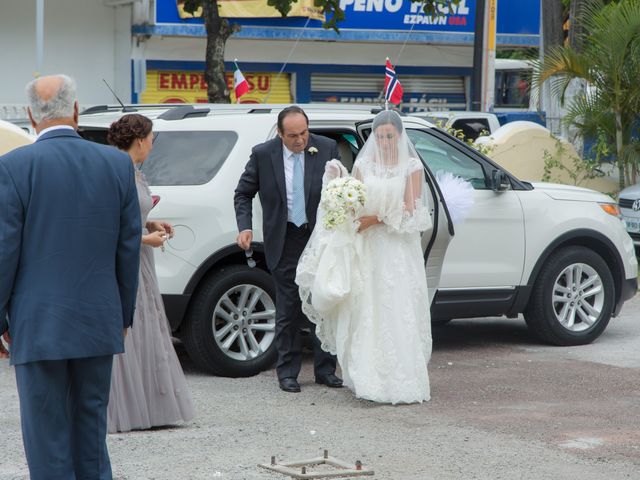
{"x":459,"y":134}
{"x":579,"y":170}
{"x":609,"y":61}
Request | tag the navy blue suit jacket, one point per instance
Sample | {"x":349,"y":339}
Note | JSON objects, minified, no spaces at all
{"x":69,"y":248}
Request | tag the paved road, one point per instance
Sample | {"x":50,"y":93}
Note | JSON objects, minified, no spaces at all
{"x":503,"y":407}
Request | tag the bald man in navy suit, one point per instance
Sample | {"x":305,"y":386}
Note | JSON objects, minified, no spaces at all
{"x":69,"y":250}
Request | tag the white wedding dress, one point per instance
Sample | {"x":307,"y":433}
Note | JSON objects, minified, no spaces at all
{"x":367,"y":292}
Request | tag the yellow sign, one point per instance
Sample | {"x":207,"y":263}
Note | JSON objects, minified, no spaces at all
{"x":176,"y":86}
{"x":493,"y":5}
{"x":256,"y":9}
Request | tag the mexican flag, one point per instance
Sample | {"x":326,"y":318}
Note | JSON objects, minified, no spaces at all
{"x":240,"y":84}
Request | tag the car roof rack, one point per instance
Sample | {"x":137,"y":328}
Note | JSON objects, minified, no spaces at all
{"x":95,"y":109}
{"x":184,"y":111}
{"x":178,"y":111}
{"x":130,"y":107}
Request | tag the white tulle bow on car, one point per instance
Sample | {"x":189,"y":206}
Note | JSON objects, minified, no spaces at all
{"x":458,"y":195}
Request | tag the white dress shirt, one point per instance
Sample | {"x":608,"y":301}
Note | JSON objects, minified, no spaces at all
{"x":287,"y":157}
{"x":55,"y":127}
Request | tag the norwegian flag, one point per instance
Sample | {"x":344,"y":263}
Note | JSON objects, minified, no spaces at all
{"x":392,"y":89}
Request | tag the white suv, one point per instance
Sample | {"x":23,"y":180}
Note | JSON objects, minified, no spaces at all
{"x":629,"y":203}
{"x":558,"y":254}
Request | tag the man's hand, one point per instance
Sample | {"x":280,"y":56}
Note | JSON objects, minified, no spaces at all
{"x":244,"y":239}
{"x":125,"y":332}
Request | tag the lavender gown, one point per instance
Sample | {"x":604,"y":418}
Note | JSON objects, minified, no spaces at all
{"x":148,"y":387}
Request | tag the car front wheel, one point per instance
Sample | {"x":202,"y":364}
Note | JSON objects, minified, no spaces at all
{"x":230,"y":325}
{"x":572,"y":299}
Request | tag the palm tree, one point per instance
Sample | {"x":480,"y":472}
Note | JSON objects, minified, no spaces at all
{"x":610,"y":63}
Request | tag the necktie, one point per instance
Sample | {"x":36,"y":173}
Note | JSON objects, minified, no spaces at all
{"x":298,"y":215}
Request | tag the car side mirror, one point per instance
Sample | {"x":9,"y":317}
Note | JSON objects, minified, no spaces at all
{"x":500,"y":181}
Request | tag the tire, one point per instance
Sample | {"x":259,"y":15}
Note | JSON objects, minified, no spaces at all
{"x":245,"y":343}
{"x":567,"y":319}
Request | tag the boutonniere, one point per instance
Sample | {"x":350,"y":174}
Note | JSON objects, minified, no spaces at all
{"x":312,"y":150}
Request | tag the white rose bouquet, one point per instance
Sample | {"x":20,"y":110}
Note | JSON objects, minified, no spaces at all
{"x":342,"y":198}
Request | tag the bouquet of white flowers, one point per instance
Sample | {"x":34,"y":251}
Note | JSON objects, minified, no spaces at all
{"x":342,"y":198}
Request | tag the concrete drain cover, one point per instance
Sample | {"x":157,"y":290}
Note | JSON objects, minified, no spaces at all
{"x":319,"y":467}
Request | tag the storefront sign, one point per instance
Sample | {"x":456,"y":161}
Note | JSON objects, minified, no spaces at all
{"x":515,"y":17}
{"x":255,"y":9}
{"x":405,"y":14}
{"x":176,"y":86}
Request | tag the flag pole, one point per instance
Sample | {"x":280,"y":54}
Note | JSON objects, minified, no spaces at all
{"x":386,"y":100}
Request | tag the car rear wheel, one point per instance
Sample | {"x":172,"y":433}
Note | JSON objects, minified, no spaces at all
{"x":572,"y":299}
{"x":230,"y":325}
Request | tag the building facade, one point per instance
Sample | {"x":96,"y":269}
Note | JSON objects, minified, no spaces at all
{"x":148,"y":53}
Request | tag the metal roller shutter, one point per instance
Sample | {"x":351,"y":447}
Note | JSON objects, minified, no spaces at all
{"x":420,"y":91}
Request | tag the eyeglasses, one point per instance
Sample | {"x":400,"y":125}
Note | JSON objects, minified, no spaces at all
{"x":250,"y":261}
{"x":388,"y":136}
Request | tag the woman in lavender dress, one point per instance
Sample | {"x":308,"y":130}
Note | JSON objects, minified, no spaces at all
{"x":148,"y":387}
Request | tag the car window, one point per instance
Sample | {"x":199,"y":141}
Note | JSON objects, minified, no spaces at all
{"x":440,"y":156}
{"x":513,"y":88}
{"x":347,"y":142}
{"x":187,"y":158}
{"x":98,"y":135}
{"x":472,"y":128}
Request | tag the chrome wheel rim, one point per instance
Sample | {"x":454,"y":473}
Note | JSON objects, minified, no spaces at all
{"x":578,"y":297}
{"x":244,"y":322}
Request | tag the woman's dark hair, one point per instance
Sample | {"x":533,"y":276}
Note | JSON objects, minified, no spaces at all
{"x":290,"y":111}
{"x":388,"y":117}
{"x":123,"y":132}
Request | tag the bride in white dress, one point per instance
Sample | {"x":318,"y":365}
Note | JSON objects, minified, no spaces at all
{"x":364,"y":285}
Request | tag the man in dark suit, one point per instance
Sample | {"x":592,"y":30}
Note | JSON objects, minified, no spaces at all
{"x":286,"y":173}
{"x":69,"y":253}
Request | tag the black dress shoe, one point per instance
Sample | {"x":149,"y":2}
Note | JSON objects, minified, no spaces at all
{"x":289,"y":384}
{"x":330,"y":380}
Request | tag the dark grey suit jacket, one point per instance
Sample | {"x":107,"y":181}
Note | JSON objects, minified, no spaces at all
{"x":264,"y":175}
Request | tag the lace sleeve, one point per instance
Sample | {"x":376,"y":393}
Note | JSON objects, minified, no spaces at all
{"x":414,"y":215}
{"x":419,"y":220}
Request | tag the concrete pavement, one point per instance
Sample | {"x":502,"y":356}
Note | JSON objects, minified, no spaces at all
{"x":503,"y":407}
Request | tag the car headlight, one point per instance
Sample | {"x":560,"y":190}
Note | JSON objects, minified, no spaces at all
{"x":611,"y":209}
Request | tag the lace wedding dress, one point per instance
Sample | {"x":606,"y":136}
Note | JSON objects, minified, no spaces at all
{"x":367,"y":292}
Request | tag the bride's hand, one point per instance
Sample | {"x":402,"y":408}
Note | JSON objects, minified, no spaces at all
{"x":367,"y":221}
{"x":333,"y":169}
